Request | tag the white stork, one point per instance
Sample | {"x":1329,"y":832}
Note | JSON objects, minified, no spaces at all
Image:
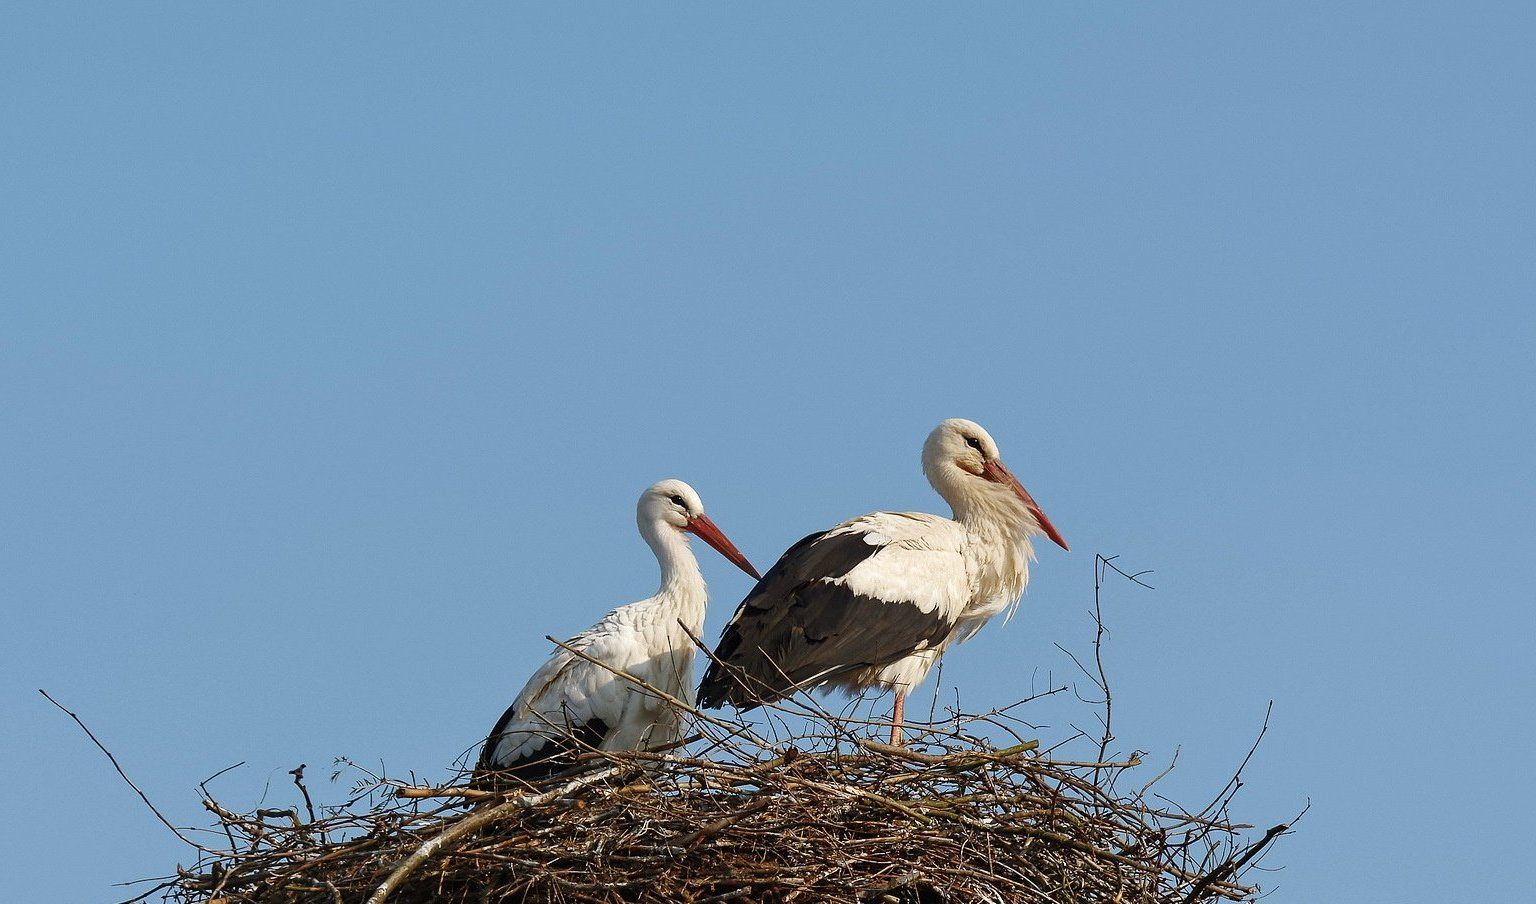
{"x":571,"y":704}
{"x":874,"y":601}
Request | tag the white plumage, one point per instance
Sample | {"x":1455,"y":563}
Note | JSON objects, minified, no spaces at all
{"x":572,"y":703}
{"x":921,"y":560}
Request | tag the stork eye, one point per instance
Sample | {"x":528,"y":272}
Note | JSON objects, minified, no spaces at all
{"x":679,"y":500}
{"x":973,"y":442}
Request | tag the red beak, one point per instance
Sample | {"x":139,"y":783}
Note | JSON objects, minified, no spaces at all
{"x":705,"y":530}
{"x":995,"y":472}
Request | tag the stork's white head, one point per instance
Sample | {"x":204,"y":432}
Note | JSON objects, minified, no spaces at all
{"x":671,"y":505}
{"x":963,"y":464}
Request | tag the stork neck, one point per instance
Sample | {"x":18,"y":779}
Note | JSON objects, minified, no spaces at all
{"x":995,"y":521}
{"x":999,"y":550}
{"x":680,"y":575}
{"x":988,"y":512}
{"x":983,"y":507}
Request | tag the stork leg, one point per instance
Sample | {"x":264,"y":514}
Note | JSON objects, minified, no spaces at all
{"x":898,"y":715}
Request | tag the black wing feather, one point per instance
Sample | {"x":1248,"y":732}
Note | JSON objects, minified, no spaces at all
{"x":556,"y":755}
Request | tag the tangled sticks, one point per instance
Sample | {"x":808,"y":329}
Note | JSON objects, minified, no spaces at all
{"x":821,"y":813}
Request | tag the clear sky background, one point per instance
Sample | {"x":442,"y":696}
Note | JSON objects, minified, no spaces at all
{"x":337,"y":345}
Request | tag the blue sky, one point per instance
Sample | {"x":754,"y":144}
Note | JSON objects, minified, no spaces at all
{"x":337,"y":345}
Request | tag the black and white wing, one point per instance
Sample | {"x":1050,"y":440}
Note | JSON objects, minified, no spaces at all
{"x":863,"y":594}
{"x":569,"y":705}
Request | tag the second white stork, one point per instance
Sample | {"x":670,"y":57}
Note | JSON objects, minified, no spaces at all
{"x":573,"y":703}
{"x":874,"y":601}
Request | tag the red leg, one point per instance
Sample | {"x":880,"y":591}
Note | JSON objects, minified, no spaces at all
{"x":898,"y":716}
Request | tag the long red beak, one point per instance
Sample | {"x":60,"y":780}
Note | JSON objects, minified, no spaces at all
{"x":705,"y":530}
{"x":995,"y":472}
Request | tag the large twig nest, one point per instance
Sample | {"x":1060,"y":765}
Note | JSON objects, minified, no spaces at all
{"x":824,"y":815}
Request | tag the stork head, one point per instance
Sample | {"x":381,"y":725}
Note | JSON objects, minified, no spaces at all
{"x":963,"y":464}
{"x":674,"y":505}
